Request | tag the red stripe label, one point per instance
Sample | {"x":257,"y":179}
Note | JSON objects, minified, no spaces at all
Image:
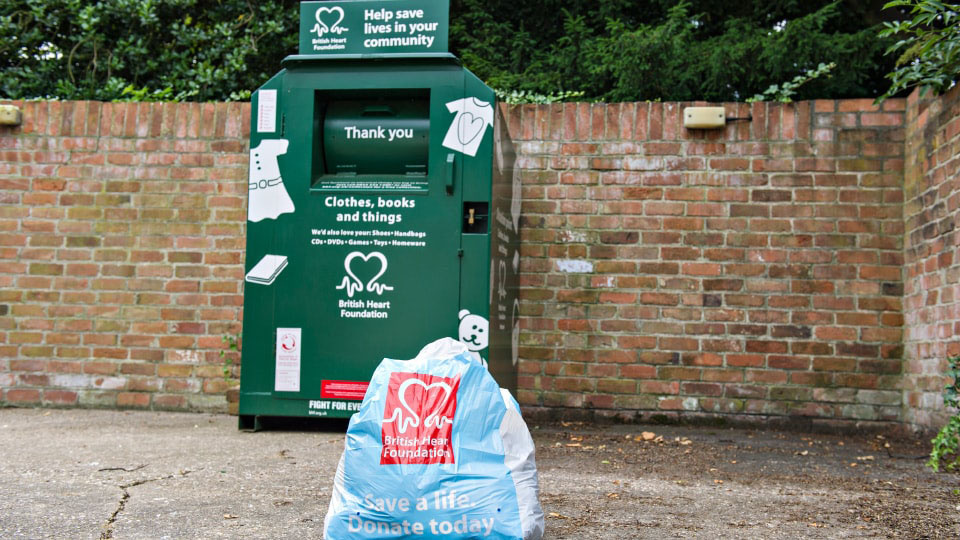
{"x":343,"y":389}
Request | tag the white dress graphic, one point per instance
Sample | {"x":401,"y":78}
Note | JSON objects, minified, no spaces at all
{"x":268,"y":196}
{"x":472,"y":119}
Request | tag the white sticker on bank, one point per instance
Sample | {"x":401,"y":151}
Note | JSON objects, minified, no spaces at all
{"x":288,"y":360}
{"x":266,"y":111}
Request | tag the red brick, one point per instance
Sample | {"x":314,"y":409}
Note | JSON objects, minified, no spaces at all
{"x":722,"y":375}
{"x":678,"y":373}
{"x":702,"y":389}
{"x":60,"y":397}
{"x":620,"y":357}
{"x":766,"y":376}
{"x":766,"y":346}
{"x":659,"y":387}
{"x":835,"y":333}
{"x":637,"y":342}
{"x":703,"y":359}
{"x":788,"y":362}
{"x":133,"y":400}
{"x":834,"y":364}
{"x":671,"y":404}
{"x":662,"y":299}
{"x":22,"y":395}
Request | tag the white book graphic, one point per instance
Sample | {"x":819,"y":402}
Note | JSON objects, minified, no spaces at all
{"x":267,"y":269}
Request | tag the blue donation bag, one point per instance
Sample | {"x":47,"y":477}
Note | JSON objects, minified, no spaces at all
{"x":437,"y":450}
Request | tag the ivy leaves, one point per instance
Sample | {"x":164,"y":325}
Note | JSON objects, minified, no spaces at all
{"x":928,"y":46}
{"x":946,"y":445}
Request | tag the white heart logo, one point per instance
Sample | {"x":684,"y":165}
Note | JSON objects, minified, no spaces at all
{"x":353,"y":284}
{"x":336,"y":11}
{"x":432,"y":419}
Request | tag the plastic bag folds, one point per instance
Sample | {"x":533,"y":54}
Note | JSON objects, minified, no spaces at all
{"x":437,"y":450}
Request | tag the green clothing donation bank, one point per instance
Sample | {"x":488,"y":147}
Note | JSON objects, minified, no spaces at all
{"x":383,"y":211}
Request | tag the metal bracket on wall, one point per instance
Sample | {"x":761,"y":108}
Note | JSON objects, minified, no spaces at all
{"x":10,"y":116}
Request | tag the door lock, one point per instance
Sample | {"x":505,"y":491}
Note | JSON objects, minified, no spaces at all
{"x":475,"y":217}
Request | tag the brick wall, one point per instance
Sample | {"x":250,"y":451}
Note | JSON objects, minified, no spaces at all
{"x":752,"y":272}
{"x":121,"y":252}
{"x":932,"y":282}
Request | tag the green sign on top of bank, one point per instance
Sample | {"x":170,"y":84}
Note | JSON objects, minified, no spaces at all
{"x":374,"y":27}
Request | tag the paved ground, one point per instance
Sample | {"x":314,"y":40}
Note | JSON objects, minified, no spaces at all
{"x":105,"y":474}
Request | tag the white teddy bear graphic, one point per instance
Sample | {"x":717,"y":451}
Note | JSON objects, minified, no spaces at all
{"x":474,"y":331}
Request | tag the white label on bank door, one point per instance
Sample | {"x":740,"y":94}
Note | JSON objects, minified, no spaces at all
{"x":266,"y":111}
{"x":288,"y":360}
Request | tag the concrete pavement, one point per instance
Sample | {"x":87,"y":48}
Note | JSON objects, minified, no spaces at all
{"x":113,"y":474}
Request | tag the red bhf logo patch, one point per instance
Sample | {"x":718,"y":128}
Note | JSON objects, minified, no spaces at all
{"x":418,"y":419}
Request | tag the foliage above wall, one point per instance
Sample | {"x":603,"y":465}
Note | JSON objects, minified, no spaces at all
{"x":928,"y":46}
{"x":715,"y":50}
{"x":192,"y":50}
{"x":198,"y":50}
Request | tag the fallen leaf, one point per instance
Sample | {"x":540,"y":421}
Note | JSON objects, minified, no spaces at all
{"x":864,"y":458}
{"x":557,"y":516}
{"x":648,"y":435}
{"x":734,"y":462}
{"x":605,"y":462}
{"x":718,"y":481}
{"x":613,"y":495}
{"x":574,"y":445}
{"x":230,"y":516}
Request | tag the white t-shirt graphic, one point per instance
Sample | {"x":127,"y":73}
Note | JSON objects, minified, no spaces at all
{"x":473,"y":116}
{"x":268,"y":196}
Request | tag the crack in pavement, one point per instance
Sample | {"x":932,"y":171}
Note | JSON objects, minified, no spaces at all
{"x":125,"y":496}
{"x":137,"y":468}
